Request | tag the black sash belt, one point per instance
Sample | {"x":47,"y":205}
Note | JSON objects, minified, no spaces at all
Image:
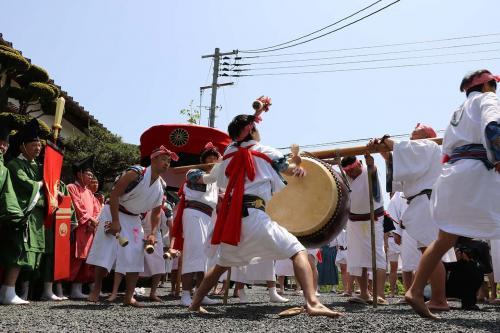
{"x":342,"y":248}
{"x":200,"y":206}
{"x":427,"y":192}
{"x":379,"y":212}
{"x":125,"y":211}
{"x":252,"y":201}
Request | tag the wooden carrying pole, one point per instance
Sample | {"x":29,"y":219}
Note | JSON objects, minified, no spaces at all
{"x":227,"y":283}
{"x":321,"y":154}
{"x":372,"y":234}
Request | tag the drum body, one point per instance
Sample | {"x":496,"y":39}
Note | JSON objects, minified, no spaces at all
{"x":313,"y":208}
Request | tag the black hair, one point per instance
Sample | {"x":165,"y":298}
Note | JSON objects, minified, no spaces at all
{"x":348,"y":160}
{"x":479,"y":88}
{"x":209,"y":152}
{"x":238,"y":124}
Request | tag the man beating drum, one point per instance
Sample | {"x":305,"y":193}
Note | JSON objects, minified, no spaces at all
{"x":250,"y":172}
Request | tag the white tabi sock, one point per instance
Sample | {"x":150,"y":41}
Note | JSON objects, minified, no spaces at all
{"x":24,"y":290}
{"x":10,"y":297}
{"x":242,"y":295}
{"x":48,"y":294}
{"x":186,"y":298}
{"x":59,"y":291}
{"x":76,"y":291}
{"x":275,"y":298}
{"x":208,"y":301}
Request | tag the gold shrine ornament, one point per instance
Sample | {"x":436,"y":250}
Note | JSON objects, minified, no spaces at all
{"x":179,"y":137}
{"x":63,"y":229}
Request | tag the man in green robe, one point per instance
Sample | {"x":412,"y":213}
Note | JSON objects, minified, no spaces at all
{"x":27,"y":179}
{"x":12,"y":221}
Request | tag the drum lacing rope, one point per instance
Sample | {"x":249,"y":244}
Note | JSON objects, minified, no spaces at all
{"x":339,"y":193}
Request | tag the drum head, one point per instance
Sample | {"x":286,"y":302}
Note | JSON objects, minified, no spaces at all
{"x":307,"y":204}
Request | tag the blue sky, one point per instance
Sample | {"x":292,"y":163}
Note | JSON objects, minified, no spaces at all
{"x":134,"y":64}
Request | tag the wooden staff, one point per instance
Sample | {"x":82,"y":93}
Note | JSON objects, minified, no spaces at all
{"x":372,"y":232}
{"x":226,"y":286}
{"x":178,"y":277}
{"x":321,"y":154}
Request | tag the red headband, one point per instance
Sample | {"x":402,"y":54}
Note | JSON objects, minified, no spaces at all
{"x":480,"y":79}
{"x":355,"y":164}
{"x":431,"y":133}
{"x":164,"y":151}
{"x":209,"y":147}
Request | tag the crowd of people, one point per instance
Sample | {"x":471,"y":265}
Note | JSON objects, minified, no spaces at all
{"x":441,"y":226}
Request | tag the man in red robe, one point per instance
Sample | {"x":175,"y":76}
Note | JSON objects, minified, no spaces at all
{"x":87,"y":212}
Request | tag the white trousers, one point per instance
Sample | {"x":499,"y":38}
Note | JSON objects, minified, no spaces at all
{"x":196,"y":227}
{"x":106,"y":252}
{"x":261,"y":238}
{"x":359,"y":245}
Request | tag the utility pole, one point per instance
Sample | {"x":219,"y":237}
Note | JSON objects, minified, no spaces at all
{"x":215,"y":85}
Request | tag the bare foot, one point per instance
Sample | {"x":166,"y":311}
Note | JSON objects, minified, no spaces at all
{"x":111,"y":298}
{"x":418,"y":305}
{"x":198,"y":310}
{"x":437,"y":306}
{"x":93,"y":297}
{"x":133,"y":302}
{"x":154,"y":298}
{"x":321,"y":310}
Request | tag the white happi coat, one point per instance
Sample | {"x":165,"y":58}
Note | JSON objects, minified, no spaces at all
{"x":154,"y":263}
{"x":105,"y":249}
{"x":197,"y":227}
{"x":261,"y":238}
{"x":465,"y":199}
{"x":393,"y":209}
{"x":341,"y":257}
{"x":255,"y":273}
{"x":495,"y":258}
{"x":358,"y":232}
{"x":410,"y":254}
{"x":416,"y":166}
{"x":284,"y":267}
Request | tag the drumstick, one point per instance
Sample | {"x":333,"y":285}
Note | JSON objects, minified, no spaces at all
{"x":372,"y":232}
{"x":321,"y":154}
{"x":121,"y":240}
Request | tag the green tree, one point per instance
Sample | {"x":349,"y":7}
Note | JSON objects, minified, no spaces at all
{"x":33,"y":80}
{"x":112,"y":155}
{"x":192,"y":114}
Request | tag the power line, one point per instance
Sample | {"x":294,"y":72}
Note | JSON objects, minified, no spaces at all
{"x":372,"y":46}
{"x":365,"y":61}
{"x":361,"y":68}
{"x":367,"y":54}
{"x":336,"y":143}
{"x":327,"y":33}
{"x":314,"y":32}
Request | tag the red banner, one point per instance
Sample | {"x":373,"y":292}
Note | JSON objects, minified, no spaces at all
{"x":57,"y":210}
{"x":52,"y":166}
{"x":61,"y":239}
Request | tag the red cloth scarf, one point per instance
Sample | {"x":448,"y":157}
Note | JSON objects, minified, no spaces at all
{"x":242,"y":165}
{"x":178,"y":239}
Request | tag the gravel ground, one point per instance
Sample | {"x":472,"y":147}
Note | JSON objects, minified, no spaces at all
{"x":257,"y":316}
